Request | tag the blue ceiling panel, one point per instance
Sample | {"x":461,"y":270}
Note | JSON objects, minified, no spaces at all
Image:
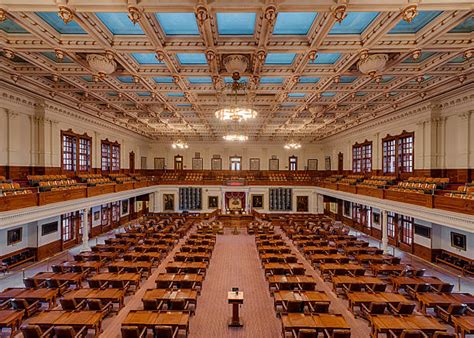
{"x":296,"y":95}
{"x":119,"y":24}
{"x":53,"y":19}
{"x":178,"y":23}
{"x":386,"y":78}
{"x":191,"y":58}
{"x":457,"y":59}
{"x":236,"y":23}
{"x":175,"y":94}
{"x":229,"y":79}
{"x":146,"y":58}
{"x":308,"y":79}
{"x":326,"y":58}
{"x":271,"y":80}
{"x":10,"y":26}
{"x":421,"y":20}
{"x":347,"y":79}
{"x":328,"y":94}
{"x":144,"y":94}
{"x":280,"y":58}
{"x":52,"y":57}
{"x":294,"y":23}
{"x":354,"y":23}
{"x":125,"y":79}
{"x":163,"y":79}
{"x":423,"y":57}
{"x":87,"y":78}
{"x":200,"y":80}
{"x":467,"y":26}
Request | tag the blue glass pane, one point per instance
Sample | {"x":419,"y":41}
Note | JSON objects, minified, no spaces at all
{"x":386,"y":78}
{"x":236,"y":23}
{"x":328,"y":94}
{"x":326,"y":58}
{"x":271,"y":80}
{"x":361,"y":94}
{"x":125,"y":79}
{"x":294,"y":23}
{"x":119,"y":24}
{"x":163,"y":79}
{"x":175,"y":94}
{"x":200,"y":80}
{"x":354,"y":23}
{"x":280,"y":58}
{"x":457,"y":59}
{"x":87,"y":78}
{"x":347,"y":79}
{"x":178,"y":23}
{"x":228,"y":79}
{"x":296,"y":95}
{"x":146,"y":58}
{"x":288,"y":104}
{"x":112,"y":94}
{"x":144,"y":94}
{"x":52,"y":57}
{"x":466,"y":27}
{"x":10,"y":26}
{"x":191,"y":58}
{"x":53,"y":19}
{"x":420,"y":21}
{"x":308,"y":79}
{"x":423,"y":57}
{"x":183,"y":105}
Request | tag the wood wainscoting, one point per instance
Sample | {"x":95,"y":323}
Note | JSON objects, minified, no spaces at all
{"x":49,"y":249}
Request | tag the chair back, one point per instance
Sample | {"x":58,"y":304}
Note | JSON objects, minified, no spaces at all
{"x":52,"y":283}
{"x":163,"y":331}
{"x":376,"y":308}
{"x":295,"y":306}
{"x":95,"y":304}
{"x":177,"y":304}
{"x":396,"y":260}
{"x":457,"y":309}
{"x":341,"y":334}
{"x":423,"y":288}
{"x":29,"y":282}
{"x":163,"y":284}
{"x":412,"y":334}
{"x":94,"y":284}
{"x":31,"y":331}
{"x":68,"y":304}
{"x":321,"y":307}
{"x":443,"y":334}
{"x":19,"y":304}
{"x":150,"y":304}
{"x":307,"y":333}
{"x":57,"y":268}
{"x":379,"y":287}
{"x":406,"y":308}
{"x":64,"y":331}
{"x":446,"y":288}
{"x":419,"y":273}
{"x":78,"y":258}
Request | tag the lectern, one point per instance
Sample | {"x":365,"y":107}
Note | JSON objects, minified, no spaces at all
{"x":235,"y":298}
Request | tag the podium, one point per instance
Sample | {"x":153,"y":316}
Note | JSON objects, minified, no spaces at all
{"x":235,"y":298}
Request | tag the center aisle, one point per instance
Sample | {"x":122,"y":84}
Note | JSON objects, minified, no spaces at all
{"x":235,"y":263}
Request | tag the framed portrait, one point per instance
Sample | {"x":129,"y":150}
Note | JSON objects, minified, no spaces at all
{"x":254,"y":164}
{"x":312,"y":164}
{"x":302,"y":203}
{"x":197,"y":163}
{"x":124,"y":207}
{"x":257,"y":201}
{"x":458,"y":241}
{"x":327,"y":163}
{"x":96,"y":215}
{"x":274,"y":164}
{"x":14,"y":236}
{"x":212,"y":202}
{"x":159,"y":163}
{"x":168,"y":202}
{"x":216,"y":163}
{"x":376,"y":218}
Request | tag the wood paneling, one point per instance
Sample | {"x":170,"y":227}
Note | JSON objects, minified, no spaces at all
{"x":48,"y":197}
{"x":422,"y":251}
{"x":376,"y":233}
{"x":49,"y":249}
{"x":18,"y":201}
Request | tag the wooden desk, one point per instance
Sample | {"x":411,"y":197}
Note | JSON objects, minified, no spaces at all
{"x":356,"y":299}
{"x":293,"y":322}
{"x":152,"y":248}
{"x":385,"y":269}
{"x":150,"y":319}
{"x":168,"y":294}
{"x":91,"y":265}
{"x":327,"y":249}
{"x":276,"y":256}
{"x":331,"y":258}
{"x":187,"y":267}
{"x":116,"y":247}
{"x":133,"y":266}
{"x":327,"y":268}
{"x":286,"y":267}
{"x":133,"y":278}
{"x":339,"y":281}
{"x":385,"y":323}
{"x":357,"y":250}
{"x":193,"y":256}
{"x":11,"y":319}
{"x":102,"y":256}
{"x":463,"y":325}
{"x":197,"y":248}
{"x":431,"y":299}
{"x":70,"y":277}
{"x":154,"y":257}
{"x":290,"y":282}
{"x":76,"y":319}
{"x":373,"y":259}
{"x":43,"y":295}
{"x":273,"y":249}
{"x":179,"y":279}
{"x":110,"y":295}
{"x":311,"y":297}
{"x":402,"y":282}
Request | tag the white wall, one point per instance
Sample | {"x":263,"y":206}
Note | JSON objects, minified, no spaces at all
{"x":28,"y":238}
{"x":55,"y":236}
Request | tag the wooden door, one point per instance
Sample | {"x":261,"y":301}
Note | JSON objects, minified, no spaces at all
{"x":131,"y":161}
{"x":340,"y":163}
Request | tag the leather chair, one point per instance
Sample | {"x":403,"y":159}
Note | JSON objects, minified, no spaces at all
{"x":452,"y":310}
{"x":402,"y":308}
{"x":70,"y":304}
{"x":443,"y":334}
{"x":150,"y":304}
{"x":55,"y":284}
{"x":34,"y":331}
{"x":120,"y":284}
{"x":293,"y":306}
{"x":444,"y":288}
{"x":22,"y":304}
{"x":419,"y":273}
{"x":69,"y":332}
{"x":177,"y":304}
{"x":57,"y":268}
{"x":320,"y":307}
{"x":337,"y":334}
{"x":419,"y":288}
{"x":98,"y":305}
{"x":95,"y":284}
{"x":32,"y":283}
{"x":307,"y":333}
{"x":377,"y":288}
{"x":374,"y":308}
{"x":164,"y":331}
{"x":412,"y":334}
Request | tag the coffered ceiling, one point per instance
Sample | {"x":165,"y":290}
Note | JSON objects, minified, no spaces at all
{"x":302,"y":77}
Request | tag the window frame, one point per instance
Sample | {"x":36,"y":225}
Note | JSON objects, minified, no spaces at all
{"x":80,"y":160}
{"x":391,"y":224}
{"x":406,"y":229}
{"x":67,"y":227}
{"x":362,"y":157}
{"x":109,"y":162}
{"x":235,"y":160}
{"x":402,"y":153}
{"x":293,"y":162}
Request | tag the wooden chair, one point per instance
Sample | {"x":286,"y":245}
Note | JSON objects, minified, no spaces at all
{"x":293,"y":306}
{"x":419,"y":288}
{"x":98,"y":305}
{"x":452,"y":310}
{"x":337,"y":333}
{"x":307,"y":333}
{"x":164,"y":331}
{"x":150,"y":304}
{"x":57,"y":268}
{"x":69,"y":332}
{"x":55,"y":284}
{"x":95,"y":284}
{"x":34,"y":331}
{"x":70,"y":304}
{"x":377,"y":287}
{"x":374,"y":308}
{"x":320,"y":307}
{"x":444,"y":288}
{"x":408,"y":334}
{"x":402,"y":308}
{"x":443,"y":334}
{"x":177,"y":304}
{"x":22,"y":304}
{"x":32,"y":283}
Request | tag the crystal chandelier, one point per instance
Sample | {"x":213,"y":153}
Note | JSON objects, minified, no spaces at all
{"x":236,"y":111}
{"x":179,"y":145}
{"x":292,"y":145}
{"x":235,"y":137}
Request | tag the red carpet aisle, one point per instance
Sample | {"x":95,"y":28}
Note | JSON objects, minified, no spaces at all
{"x":235,"y":263}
